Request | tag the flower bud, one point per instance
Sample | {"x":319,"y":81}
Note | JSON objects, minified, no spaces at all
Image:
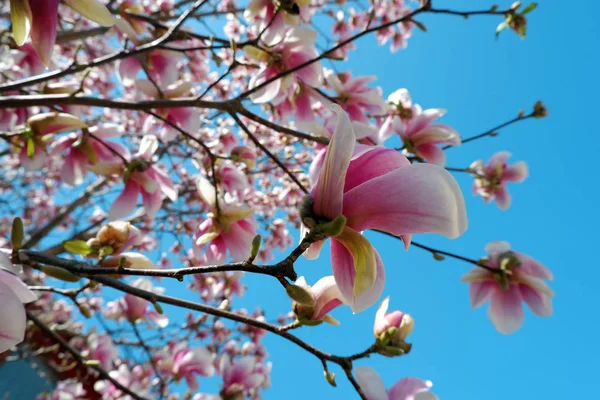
{"x":119,"y":235}
{"x":391,"y":329}
{"x":132,"y":260}
{"x":245,"y":155}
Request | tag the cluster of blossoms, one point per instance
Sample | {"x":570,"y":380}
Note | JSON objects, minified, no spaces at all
{"x":165,"y":137}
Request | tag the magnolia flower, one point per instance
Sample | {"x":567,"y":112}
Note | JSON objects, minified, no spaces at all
{"x":239,"y":376}
{"x":119,"y":235}
{"x":135,"y":309}
{"x":313,"y":303}
{"x":13,"y":294}
{"x":245,"y":155}
{"x":296,"y":48}
{"x":515,"y":278}
{"x":68,"y":389}
{"x":391,"y":329}
{"x":39,"y":18}
{"x":145,"y":179}
{"x":186,"y":118}
{"x":405,"y":389}
{"x":135,"y":379}
{"x":160,"y":64}
{"x":39,"y":131}
{"x":228,"y":227}
{"x":414,"y":125}
{"x":375,"y":188}
{"x":270,"y":17}
{"x":490,"y":180}
{"x":101,"y":348}
{"x":184,"y":363}
{"x":88,"y":150}
{"x":231,"y":178}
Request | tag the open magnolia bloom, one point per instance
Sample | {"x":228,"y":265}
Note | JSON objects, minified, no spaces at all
{"x":519,"y":278}
{"x":13,"y":294}
{"x":405,"y":389}
{"x":375,"y":188}
{"x":39,"y":19}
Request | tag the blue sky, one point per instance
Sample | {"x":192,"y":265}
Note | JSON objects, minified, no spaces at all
{"x":482,"y":82}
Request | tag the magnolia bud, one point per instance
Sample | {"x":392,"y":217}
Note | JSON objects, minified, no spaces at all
{"x":132,"y":260}
{"x":59,"y":273}
{"x":391,"y":329}
{"x":300,"y":294}
{"x":540,"y":110}
{"x":119,"y":235}
{"x":245,"y":155}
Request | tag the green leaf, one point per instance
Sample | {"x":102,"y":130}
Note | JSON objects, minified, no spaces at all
{"x":30,"y":148}
{"x":77,"y":247}
{"x":16,"y":235}
{"x":300,"y":294}
{"x":59,"y":273}
{"x":530,"y":7}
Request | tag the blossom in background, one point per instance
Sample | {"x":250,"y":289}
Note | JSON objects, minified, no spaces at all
{"x":297,"y":47}
{"x":133,"y":379}
{"x":37,"y":134}
{"x":89,"y":151}
{"x":136,"y":309}
{"x":68,"y":389}
{"x":414,"y":125}
{"x":405,"y":389}
{"x":375,"y":188}
{"x":515,"y":278}
{"x":13,"y":294}
{"x":144,"y":179}
{"x":39,"y":19}
{"x":491,"y":179}
{"x":239,"y":376}
{"x":101,"y":347}
{"x":160,"y":64}
{"x":186,"y":118}
{"x":228,"y":227}
{"x":272,"y":17}
{"x":184,"y":362}
{"x":314,"y":302}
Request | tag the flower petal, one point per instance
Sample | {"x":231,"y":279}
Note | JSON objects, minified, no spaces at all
{"x":329,"y":190}
{"x":370,"y":382}
{"x":407,"y":388}
{"x":539,"y":303}
{"x":12,"y":318}
{"x":516,"y":172}
{"x":20,"y":16}
{"x":327,"y":296}
{"x":503,"y":198}
{"x":431,"y":153}
{"x":93,"y":10}
{"x":125,"y":203}
{"x":421,"y":198}
{"x":44,"y":21}
{"x":506,"y":310}
{"x":480,"y":292}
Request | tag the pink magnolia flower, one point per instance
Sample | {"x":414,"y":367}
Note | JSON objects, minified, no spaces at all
{"x":39,"y":130}
{"x":160,"y":64}
{"x":39,"y":18}
{"x":68,"y":389}
{"x":187,"y":118}
{"x":135,"y":309}
{"x":270,"y":17}
{"x":90,"y":152}
{"x":375,"y":188}
{"x":134,"y":379}
{"x":516,"y":278}
{"x":231,"y":178}
{"x":414,"y":125}
{"x":245,"y":155}
{"x":402,"y":324}
{"x":355,"y":97}
{"x":228,"y":227}
{"x":27,"y":61}
{"x":13,"y":294}
{"x":239,"y":376}
{"x":296,"y":48}
{"x":101,"y":348}
{"x":184,"y":362}
{"x":119,"y":235}
{"x":144,"y":179}
{"x":320,"y":299}
{"x":490,"y":180}
{"x":405,"y":389}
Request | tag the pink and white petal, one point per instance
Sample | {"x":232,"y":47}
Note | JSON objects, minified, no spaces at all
{"x":506,"y":310}
{"x":62,"y":144}
{"x":152,"y":202}
{"x":145,"y":180}
{"x":148,"y":147}
{"x":106,"y":131}
{"x":67,"y":172}
{"x":503,"y":198}
{"x":238,"y":241}
{"x":18,"y":287}
{"x":371,"y":384}
{"x":516,"y":172}
{"x":477,"y":275}
{"x":125,"y":203}
{"x":481,"y":291}
{"x":497,"y":246}
{"x":12,"y":319}
{"x":304,"y":115}
{"x":266,"y":93}
{"x":147,"y":87}
{"x":421,"y":198}
{"x":327,"y":296}
{"x":165,"y":183}
{"x":407,"y":388}
{"x":159,"y":319}
{"x":432,"y":154}
{"x":437,"y":134}
{"x":128,"y":69}
{"x":539,"y":303}
{"x":499,"y":157}
{"x":44,"y":22}
{"x":370,"y":162}
{"x":533,"y":267}
{"x":36,"y":162}
{"x":329,"y":190}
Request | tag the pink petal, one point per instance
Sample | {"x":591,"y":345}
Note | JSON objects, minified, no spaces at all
{"x":268,"y":92}
{"x":62,"y":144}
{"x":165,"y":183}
{"x":344,"y":271}
{"x":516,"y":172}
{"x":125,"y":203}
{"x":12,"y":318}
{"x":506,"y":310}
{"x":106,"y":131}
{"x":432,"y":154}
{"x":407,"y":388}
{"x":329,"y":190}
{"x":370,"y":382}
{"x":436,"y":134}
{"x":539,"y":303}
{"x":497,"y":246}
{"x":304,"y":115}
{"x":18,"y":287}
{"x":480,"y":292}
{"x":239,"y":240}
{"x":327,"y":296}
{"x":128,"y":69}
{"x":74,"y":169}
{"x":370,"y":162}
{"x":152,"y":202}
{"x":44,"y":22}
{"x":421,"y":198}
{"x":533,"y":267}
{"x":503,"y":198}
{"x":35,"y":163}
